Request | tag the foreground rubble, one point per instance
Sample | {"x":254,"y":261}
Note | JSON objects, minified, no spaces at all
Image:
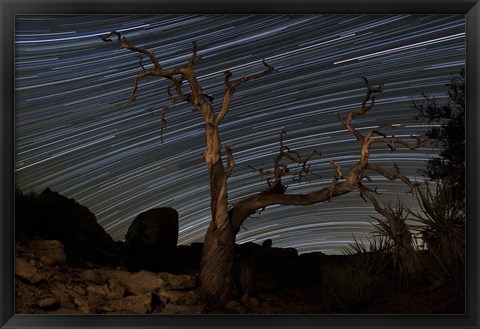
{"x":46,"y":284}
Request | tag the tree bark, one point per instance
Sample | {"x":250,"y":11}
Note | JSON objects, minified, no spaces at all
{"x":218,"y":251}
{"x":216,"y":277}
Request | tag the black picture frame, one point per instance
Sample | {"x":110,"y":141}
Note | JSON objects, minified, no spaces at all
{"x":10,"y":8}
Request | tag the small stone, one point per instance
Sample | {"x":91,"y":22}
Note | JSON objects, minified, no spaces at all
{"x":233,"y":304}
{"x":119,"y":275}
{"x":178,"y":282}
{"x":254,"y":302}
{"x":133,"y":304}
{"x":144,"y":282}
{"x":49,"y":304}
{"x":235,"y":307}
{"x":115,"y":289}
{"x":187,"y":298}
{"x":85,"y":309}
{"x":27,"y":271}
{"x":245,"y":299}
{"x":90,"y":275}
{"x":96,"y":289}
{"x":79,"y":290}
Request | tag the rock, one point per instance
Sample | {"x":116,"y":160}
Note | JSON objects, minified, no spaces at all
{"x":115,"y":290}
{"x":148,"y":282}
{"x":254,"y":302}
{"x":52,"y":216}
{"x":233,"y":304}
{"x":132,"y":304}
{"x":85,"y":308}
{"x":246,"y":248}
{"x":109,"y":274}
{"x":187,"y":298}
{"x":144,"y":282}
{"x":97,"y":289}
{"x":153,"y":229}
{"x":49,"y":252}
{"x":245,"y":299}
{"x":48,"y":304}
{"x":80,"y":301}
{"x":78,"y":290}
{"x":178,"y":282}
{"x":184,"y":309}
{"x":249,"y":301}
{"x":91,"y":276}
{"x":27,"y":271}
{"x":235,"y":307}
{"x":267,"y":243}
{"x":61,"y":294}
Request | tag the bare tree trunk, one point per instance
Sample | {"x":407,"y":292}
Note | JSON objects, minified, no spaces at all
{"x":219,"y":245}
{"x":217,"y":258}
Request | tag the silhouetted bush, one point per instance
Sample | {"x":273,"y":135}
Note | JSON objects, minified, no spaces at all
{"x":442,"y":226}
{"x":348,"y":287}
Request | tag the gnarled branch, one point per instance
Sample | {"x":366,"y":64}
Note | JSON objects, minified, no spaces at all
{"x":342,"y":182}
{"x":231,"y":89}
{"x":282,"y":168}
{"x":123,"y":43}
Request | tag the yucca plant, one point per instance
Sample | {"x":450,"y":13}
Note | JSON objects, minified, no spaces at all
{"x":348,"y":286}
{"x":376,"y":253}
{"x":399,"y":239}
{"x":351,"y":285}
{"x":442,"y":225}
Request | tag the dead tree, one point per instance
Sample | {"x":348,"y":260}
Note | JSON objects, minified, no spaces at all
{"x":219,"y":241}
{"x":219,"y":244}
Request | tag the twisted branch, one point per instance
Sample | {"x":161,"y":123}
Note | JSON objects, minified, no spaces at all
{"x":282,"y":169}
{"x":124,"y":44}
{"x":231,"y":89}
{"x":343,"y":182}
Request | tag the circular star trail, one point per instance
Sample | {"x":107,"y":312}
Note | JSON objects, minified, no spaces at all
{"x":72,"y":136}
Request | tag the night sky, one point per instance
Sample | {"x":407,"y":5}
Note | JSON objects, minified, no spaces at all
{"x":72,"y":136}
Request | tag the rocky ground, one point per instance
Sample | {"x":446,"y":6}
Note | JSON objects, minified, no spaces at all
{"x":65,"y":263}
{"x":47,"y":284}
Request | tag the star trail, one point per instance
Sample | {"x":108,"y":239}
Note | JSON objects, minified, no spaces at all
{"x":71,"y":134}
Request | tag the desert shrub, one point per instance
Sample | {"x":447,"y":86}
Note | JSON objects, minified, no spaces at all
{"x":348,"y":287}
{"x":442,"y":225}
{"x":400,"y":244}
{"x":375,"y":254}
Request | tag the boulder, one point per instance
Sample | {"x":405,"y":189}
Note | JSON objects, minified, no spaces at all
{"x":153,"y":229}
{"x":52,"y":216}
{"x":267,"y":243}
